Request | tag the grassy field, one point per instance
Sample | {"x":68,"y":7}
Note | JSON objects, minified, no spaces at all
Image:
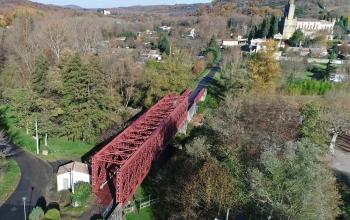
{"x":59,"y":148}
{"x":70,"y":212}
{"x":9,"y":178}
{"x":145,"y":213}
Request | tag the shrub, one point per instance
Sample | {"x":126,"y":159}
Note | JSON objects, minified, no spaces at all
{"x":309,"y":87}
{"x":199,"y":67}
{"x":2,"y":23}
{"x":53,"y":214}
{"x":36,"y":214}
{"x":64,"y":198}
{"x":82,"y":192}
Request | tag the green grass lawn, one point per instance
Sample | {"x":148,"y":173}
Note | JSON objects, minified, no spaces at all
{"x":59,"y":147}
{"x":9,"y":178}
{"x":144,"y":214}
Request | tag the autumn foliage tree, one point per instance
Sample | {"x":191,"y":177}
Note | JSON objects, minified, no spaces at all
{"x":212,"y":190}
{"x":264,"y":68}
{"x":199,"y":66}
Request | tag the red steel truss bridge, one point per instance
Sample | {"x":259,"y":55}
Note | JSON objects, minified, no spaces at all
{"x":121,"y":166}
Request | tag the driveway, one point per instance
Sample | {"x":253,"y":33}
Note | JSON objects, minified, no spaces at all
{"x":35,"y":176}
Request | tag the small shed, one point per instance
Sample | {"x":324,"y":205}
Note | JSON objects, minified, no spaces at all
{"x":71,"y":173}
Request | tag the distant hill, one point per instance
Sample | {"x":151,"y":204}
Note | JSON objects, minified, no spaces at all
{"x":305,"y":8}
{"x":74,"y":7}
{"x":174,"y":10}
{"x":6,"y":5}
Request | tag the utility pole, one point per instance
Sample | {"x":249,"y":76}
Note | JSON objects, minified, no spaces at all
{"x":24,"y":207}
{"x":37,"y":136}
{"x":227,"y":214}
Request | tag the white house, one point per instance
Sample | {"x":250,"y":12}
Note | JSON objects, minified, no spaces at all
{"x":257,"y":44}
{"x":239,"y":41}
{"x":192,"y":33}
{"x":106,"y":12}
{"x":165,"y":28}
{"x":229,"y":43}
{"x":151,"y":54}
{"x":71,"y":173}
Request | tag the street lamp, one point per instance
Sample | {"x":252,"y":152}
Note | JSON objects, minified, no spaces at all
{"x":24,"y":207}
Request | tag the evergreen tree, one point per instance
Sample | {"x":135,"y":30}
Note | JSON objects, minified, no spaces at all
{"x":83,"y":100}
{"x":274,"y":26}
{"x":265,"y":27}
{"x":297,"y":37}
{"x":44,"y":109}
{"x":253,"y":32}
{"x":164,"y":44}
{"x":330,"y":68}
{"x":213,"y":42}
{"x":40,"y":74}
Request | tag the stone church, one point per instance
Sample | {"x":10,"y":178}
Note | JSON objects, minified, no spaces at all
{"x":309,"y":26}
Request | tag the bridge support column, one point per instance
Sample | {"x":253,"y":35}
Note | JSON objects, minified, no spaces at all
{"x":333,"y":143}
{"x":183,"y":129}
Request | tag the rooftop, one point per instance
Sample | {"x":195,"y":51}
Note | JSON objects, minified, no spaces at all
{"x":75,"y":166}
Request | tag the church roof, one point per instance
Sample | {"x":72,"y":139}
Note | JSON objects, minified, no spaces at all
{"x":314,"y":20}
{"x":308,"y":19}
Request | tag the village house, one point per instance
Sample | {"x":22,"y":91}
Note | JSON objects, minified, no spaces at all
{"x":257,"y":44}
{"x":150,"y":55}
{"x":70,"y":174}
{"x":239,"y":41}
{"x":165,"y":28}
{"x":104,"y":12}
{"x":192,"y":33}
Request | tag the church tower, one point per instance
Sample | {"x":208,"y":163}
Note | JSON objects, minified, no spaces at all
{"x":291,"y":10}
{"x":290,"y":21}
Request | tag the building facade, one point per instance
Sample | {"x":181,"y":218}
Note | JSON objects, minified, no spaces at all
{"x":309,"y":26}
{"x":70,"y":174}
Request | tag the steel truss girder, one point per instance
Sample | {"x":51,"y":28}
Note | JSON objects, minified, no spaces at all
{"x":129,"y":156}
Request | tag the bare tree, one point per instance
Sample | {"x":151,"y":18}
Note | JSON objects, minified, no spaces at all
{"x":21,"y":42}
{"x":54,"y":33}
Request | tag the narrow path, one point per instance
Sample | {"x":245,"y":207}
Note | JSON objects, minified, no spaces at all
{"x":35,"y":176}
{"x":204,"y":83}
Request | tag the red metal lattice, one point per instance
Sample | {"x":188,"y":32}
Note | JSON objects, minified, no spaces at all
{"x":120,"y":167}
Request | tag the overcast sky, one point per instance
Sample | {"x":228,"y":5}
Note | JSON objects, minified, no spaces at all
{"x":117,"y":3}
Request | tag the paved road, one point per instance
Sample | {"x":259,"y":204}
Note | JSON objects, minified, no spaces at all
{"x":204,"y":83}
{"x":34,"y":179}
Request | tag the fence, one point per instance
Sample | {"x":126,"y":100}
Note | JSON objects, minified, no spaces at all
{"x":139,"y":204}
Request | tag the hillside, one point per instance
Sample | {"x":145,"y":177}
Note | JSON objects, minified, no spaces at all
{"x":310,"y":8}
{"x":12,"y":4}
{"x":173,"y":10}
